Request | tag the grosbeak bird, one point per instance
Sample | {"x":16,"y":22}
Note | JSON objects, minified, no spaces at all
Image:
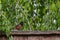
{"x":19,"y":26}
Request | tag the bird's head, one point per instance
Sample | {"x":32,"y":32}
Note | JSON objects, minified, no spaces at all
{"x":21,"y":23}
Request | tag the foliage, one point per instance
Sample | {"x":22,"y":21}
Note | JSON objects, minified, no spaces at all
{"x":36,"y":14}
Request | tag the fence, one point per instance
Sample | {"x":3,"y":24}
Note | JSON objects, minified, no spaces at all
{"x":33,"y":35}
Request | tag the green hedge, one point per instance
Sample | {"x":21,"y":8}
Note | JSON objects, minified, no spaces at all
{"x":40,"y":15}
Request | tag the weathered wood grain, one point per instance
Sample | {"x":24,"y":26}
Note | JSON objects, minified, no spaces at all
{"x":34,"y":32}
{"x":33,"y":38}
{"x":33,"y":35}
{"x":20,"y":38}
{"x":2,"y":38}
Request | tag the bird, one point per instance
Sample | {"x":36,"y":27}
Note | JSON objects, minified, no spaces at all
{"x":19,"y":26}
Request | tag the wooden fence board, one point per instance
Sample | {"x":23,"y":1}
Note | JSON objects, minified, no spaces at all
{"x":33,"y":35}
{"x":20,"y":38}
{"x":2,"y":38}
{"x":33,"y":38}
{"x":50,"y":37}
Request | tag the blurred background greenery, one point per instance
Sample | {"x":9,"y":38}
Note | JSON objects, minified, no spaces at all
{"x":37,"y":15}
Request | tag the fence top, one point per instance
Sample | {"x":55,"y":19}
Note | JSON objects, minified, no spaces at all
{"x":35,"y":32}
{"x":18,"y":33}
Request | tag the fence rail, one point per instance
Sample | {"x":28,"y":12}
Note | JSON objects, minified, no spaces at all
{"x":33,"y":35}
